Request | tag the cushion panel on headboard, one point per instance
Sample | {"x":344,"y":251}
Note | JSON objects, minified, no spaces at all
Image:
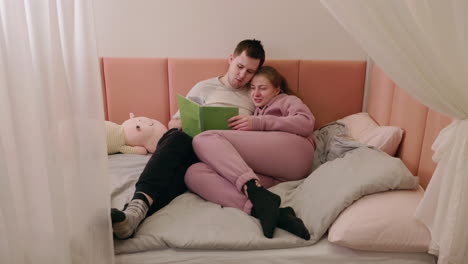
{"x":289,"y":69}
{"x":137,"y":85}
{"x":411,"y":116}
{"x":380,"y":96}
{"x":435,"y":122}
{"x":332,"y":89}
{"x":103,"y":84}
{"x":390,"y":105}
{"x":185,"y":73}
{"x":195,"y":70}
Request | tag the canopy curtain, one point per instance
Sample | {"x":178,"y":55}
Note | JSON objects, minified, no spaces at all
{"x":422,"y":46}
{"x":54,"y":188}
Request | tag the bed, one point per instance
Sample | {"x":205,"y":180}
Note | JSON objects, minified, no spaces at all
{"x":334,"y":91}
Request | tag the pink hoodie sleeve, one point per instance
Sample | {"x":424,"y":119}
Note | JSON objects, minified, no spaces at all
{"x":296,"y":118}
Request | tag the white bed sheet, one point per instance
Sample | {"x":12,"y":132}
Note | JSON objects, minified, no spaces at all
{"x":323,"y":252}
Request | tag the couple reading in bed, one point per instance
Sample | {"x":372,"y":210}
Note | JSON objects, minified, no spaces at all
{"x":234,"y":167}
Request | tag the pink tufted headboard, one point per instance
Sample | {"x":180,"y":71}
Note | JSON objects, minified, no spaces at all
{"x":388,"y":104}
{"x":331,"y":89}
{"x":147,"y":86}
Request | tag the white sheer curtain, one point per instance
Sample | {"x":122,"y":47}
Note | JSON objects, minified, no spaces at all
{"x":423,"y":46}
{"x":54,"y":190}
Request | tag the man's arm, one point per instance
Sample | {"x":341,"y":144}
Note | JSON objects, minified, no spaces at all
{"x":196,"y":92}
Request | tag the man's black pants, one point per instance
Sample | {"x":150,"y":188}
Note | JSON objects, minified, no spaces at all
{"x":163,"y":177}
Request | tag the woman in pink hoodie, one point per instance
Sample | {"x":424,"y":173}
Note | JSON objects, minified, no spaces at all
{"x":273,"y":145}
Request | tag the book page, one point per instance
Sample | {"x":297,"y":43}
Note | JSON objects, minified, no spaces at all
{"x":215,"y":117}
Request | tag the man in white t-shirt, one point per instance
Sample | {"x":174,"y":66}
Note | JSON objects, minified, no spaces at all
{"x":163,"y":177}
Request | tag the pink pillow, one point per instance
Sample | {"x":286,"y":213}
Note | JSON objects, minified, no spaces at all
{"x":365,"y":130}
{"x":382,"y":222}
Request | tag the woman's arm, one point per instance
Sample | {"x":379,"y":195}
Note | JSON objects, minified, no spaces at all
{"x":296,"y":118}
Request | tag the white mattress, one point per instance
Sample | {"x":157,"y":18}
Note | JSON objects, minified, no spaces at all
{"x":322,"y":252}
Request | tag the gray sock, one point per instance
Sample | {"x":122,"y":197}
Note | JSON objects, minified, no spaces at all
{"x":124,"y":223}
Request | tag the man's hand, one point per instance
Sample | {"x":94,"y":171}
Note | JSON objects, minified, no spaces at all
{"x":175,"y":123}
{"x":241,"y":122}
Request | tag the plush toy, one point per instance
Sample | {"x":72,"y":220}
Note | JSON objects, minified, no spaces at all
{"x":137,"y":135}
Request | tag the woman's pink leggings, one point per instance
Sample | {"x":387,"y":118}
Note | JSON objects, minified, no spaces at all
{"x":230,"y":158}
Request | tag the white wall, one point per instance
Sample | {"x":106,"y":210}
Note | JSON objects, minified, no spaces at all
{"x":293,"y":29}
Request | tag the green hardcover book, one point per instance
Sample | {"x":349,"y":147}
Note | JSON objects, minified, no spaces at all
{"x":197,"y":118}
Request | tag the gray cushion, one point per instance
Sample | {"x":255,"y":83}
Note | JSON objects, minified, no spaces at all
{"x":336,"y":184}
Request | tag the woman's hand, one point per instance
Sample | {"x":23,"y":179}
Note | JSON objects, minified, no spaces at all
{"x":241,"y":122}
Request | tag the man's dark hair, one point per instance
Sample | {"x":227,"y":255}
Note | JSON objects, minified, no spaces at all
{"x":253,"y":48}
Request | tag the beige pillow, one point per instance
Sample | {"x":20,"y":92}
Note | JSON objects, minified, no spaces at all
{"x":362,"y":128}
{"x":382,"y":222}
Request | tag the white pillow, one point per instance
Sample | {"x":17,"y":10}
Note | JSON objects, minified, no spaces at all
{"x":362,"y":128}
{"x":382,"y":222}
